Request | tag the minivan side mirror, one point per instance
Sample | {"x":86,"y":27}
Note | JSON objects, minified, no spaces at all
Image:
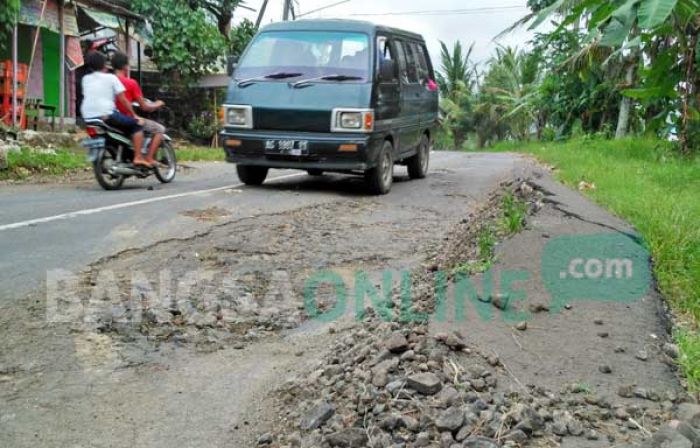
{"x":387,"y":70}
{"x":231,"y":64}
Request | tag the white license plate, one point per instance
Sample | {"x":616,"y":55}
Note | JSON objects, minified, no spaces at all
{"x":287,"y":147}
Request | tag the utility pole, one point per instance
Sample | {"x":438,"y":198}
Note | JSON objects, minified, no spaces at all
{"x":261,"y":15}
{"x":287,"y":9}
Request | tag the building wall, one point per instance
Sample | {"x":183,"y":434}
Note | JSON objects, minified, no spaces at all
{"x":35,"y":89}
{"x":44,"y":79}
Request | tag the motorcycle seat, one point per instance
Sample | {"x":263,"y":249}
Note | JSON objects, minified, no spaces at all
{"x":100,"y":123}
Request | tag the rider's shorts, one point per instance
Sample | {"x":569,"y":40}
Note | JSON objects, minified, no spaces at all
{"x":124,"y":123}
{"x":153,"y":127}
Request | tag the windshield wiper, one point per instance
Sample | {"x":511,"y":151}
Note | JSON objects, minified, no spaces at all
{"x":278,"y":75}
{"x":340,"y":78}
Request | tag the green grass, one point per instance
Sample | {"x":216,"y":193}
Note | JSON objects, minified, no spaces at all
{"x":644,"y":182}
{"x":514,"y":214}
{"x":511,"y":221}
{"x":199,"y":154}
{"x":487,"y":240}
{"x":26,"y":163}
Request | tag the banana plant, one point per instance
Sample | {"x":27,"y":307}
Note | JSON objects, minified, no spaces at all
{"x":635,"y":30}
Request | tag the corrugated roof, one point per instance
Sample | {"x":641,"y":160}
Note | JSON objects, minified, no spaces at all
{"x":117,"y":7}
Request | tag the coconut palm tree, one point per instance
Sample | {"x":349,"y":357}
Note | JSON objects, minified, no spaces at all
{"x":457,"y":80}
{"x":510,"y":87}
{"x":456,"y":68}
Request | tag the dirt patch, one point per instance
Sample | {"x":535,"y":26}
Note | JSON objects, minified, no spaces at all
{"x":246,"y":280}
{"x":211,"y":214}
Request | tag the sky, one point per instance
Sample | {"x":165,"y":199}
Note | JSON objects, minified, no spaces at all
{"x":481,"y":26}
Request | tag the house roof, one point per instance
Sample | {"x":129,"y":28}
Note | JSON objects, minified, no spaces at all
{"x":116,"y":7}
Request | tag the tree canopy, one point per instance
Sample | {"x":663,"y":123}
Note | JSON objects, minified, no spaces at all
{"x":191,"y":38}
{"x":608,"y":66}
{"x":9,"y":9}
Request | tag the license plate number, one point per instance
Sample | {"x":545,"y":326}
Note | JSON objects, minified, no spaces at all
{"x":287,"y":147}
{"x":92,"y":143}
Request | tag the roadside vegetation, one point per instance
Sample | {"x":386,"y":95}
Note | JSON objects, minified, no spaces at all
{"x":610,"y":96}
{"x":199,"y":154}
{"x":512,"y":219}
{"x":611,"y":68}
{"x":27,"y":163}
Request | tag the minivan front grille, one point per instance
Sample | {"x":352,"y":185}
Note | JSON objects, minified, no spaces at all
{"x":291,"y":120}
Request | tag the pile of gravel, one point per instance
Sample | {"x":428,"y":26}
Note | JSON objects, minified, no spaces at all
{"x":388,"y":385}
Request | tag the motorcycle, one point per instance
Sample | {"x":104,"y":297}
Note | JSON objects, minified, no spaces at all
{"x":112,"y":153}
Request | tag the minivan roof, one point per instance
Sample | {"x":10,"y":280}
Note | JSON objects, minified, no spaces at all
{"x":338,"y":25}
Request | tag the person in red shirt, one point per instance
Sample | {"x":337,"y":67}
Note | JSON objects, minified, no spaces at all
{"x":120,"y":64}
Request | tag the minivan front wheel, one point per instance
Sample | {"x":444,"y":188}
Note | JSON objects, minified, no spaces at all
{"x":418,"y":164}
{"x":252,"y":175}
{"x":381,"y":178}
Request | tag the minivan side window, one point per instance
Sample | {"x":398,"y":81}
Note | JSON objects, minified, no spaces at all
{"x":411,"y":63}
{"x":403,"y":63}
{"x":384,"y":52}
{"x":423,"y":69}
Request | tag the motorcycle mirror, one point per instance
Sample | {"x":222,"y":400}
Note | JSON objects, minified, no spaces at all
{"x":231,"y":64}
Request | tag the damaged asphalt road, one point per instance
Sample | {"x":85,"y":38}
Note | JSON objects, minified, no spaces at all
{"x":206,"y":369}
{"x":104,"y":223}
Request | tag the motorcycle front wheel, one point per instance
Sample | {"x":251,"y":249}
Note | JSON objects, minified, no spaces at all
{"x":166,"y":168}
{"x":105,"y":160}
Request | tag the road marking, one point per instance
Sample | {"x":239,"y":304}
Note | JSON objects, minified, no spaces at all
{"x":93,"y":211}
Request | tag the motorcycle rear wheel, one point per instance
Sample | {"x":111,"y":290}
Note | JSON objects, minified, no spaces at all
{"x":106,"y":157}
{"x":166,"y":169}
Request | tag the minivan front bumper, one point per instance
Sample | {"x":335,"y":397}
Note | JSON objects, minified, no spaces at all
{"x":324,"y":150}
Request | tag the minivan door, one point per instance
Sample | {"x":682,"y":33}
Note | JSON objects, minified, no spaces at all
{"x":429,"y":98}
{"x":411,"y":90}
{"x":388,"y":95}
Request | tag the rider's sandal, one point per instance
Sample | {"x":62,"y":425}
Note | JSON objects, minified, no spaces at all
{"x":143,"y":164}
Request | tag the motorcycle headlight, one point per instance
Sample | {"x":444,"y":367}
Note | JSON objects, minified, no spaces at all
{"x":238,"y":116}
{"x":353,"y":120}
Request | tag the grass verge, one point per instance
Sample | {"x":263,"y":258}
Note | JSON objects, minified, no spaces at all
{"x":27,"y":163}
{"x":644,"y":182}
{"x":23,"y":164}
{"x":199,"y":154}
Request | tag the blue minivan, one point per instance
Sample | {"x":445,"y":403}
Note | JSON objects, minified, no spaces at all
{"x":331,"y":96}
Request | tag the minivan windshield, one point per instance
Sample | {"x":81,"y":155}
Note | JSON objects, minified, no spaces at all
{"x":322,"y":56}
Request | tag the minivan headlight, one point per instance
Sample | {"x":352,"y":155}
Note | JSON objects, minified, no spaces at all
{"x":352,"y":120}
{"x":238,"y":116}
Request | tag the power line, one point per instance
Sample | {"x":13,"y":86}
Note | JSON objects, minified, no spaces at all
{"x":322,"y":8}
{"x":438,"y":12}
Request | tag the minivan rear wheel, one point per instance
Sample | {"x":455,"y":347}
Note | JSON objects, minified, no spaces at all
{"x":252,"y":175}
{"x":381,"y":178}
{"x":418,"y":164}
